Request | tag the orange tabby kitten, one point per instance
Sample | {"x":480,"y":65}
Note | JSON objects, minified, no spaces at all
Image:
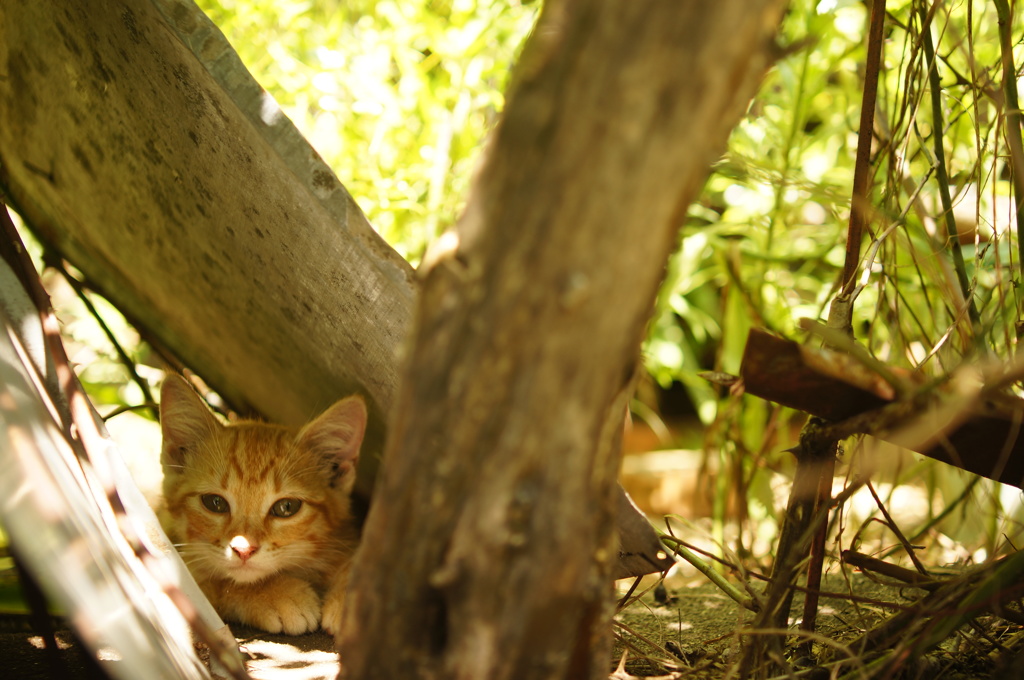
{"x":259,"y":512}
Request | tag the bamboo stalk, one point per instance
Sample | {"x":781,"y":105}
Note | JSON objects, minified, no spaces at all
{"x":1011,"y":106}
{"x":940,"y":167}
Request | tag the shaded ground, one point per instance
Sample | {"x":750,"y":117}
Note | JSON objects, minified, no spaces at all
{"x":692,"y":634}
{"x":268,"y":657}
{"x":699,"y":632}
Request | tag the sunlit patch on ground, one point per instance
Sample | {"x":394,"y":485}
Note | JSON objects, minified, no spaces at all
{"x":304,"y":657}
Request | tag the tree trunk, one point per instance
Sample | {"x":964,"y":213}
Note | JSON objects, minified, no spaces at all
{"x":493,"y":541}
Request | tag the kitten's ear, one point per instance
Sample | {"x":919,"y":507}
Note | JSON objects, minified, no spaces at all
{"x":184,"y":420}
{"x":337,"y":434}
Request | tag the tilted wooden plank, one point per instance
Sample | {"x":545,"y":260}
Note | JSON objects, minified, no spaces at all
{"x":135,"y":142}
{"x":58,"y":513}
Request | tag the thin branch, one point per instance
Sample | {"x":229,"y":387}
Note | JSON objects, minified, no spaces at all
{"x":942,"y":176}
{"x":703,"y":567}
{"x":1013,"y":128}
{"x":122,"y":355}
{"x":861,"y":176}
{"x":891,"y":523}
{"x":946,"y":511}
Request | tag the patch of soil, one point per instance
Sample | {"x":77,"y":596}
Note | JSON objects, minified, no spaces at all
{"x":698,"y":632}
{"x":267,"y":657}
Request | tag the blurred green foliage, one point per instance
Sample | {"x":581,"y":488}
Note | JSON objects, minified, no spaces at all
{"x":398,"y":96}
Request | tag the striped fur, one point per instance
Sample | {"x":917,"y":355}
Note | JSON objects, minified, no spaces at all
{"x":273,"y":552}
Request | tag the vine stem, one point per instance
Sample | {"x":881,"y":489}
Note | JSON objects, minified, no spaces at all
{"x":1013,"y":130}
{"x":819,"y":462}
{"x":737,"y":595}
{"x":862,"y":168}
{"x":129,"y":363}
{"x":940,"y":165}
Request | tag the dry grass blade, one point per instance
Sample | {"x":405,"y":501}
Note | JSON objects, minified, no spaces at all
{"x":927,"y":623}
{"x":620,"y":672}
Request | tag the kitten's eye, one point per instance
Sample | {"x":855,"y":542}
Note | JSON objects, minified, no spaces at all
{"x":214,"y":503}
{"x":286,"y":507}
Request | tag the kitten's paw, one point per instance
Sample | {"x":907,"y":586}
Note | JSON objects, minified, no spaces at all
{"x":289,"y":606}
{"x":334,"y":604}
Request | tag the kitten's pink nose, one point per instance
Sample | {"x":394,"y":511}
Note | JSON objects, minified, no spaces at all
{"x":242,"y":547}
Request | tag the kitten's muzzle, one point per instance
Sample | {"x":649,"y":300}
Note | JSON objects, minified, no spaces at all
{"x":241,"y":546}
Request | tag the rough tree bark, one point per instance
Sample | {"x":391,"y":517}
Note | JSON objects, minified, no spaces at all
{"x":493,"y":545}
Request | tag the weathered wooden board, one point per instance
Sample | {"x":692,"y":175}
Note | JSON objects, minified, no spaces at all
{"x":136,"y":143}
{"x":57,"y":508}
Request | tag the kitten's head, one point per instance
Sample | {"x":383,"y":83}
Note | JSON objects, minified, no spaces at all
{"x":250,"y":499}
